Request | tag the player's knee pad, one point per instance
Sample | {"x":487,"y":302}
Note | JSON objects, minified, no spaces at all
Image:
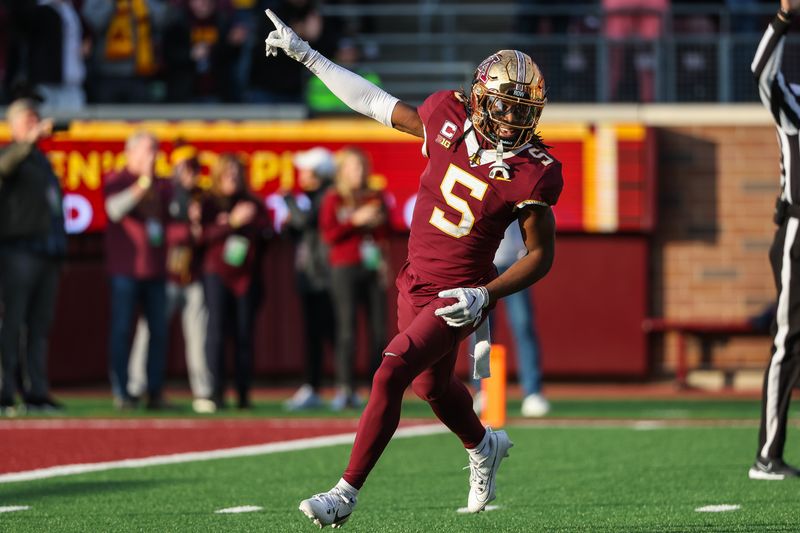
{"x":393,"y":375}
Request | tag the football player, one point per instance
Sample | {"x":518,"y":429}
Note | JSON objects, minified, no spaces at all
{"x":486,"y":168}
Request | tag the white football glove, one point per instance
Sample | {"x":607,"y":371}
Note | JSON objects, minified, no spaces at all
{"x":467,"y":310}
{"x":287,"y":40}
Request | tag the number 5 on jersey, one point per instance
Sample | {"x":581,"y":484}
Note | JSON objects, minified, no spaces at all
{"x":477,"y":189}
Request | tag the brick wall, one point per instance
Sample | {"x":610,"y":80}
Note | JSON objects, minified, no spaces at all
{"x":717,"y":187}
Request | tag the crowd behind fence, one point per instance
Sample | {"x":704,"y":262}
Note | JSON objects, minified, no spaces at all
{"x":211,"y":51}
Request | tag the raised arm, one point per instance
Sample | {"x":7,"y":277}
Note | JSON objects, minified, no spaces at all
{"x":359,"y":94}
{"x":774,"y":90}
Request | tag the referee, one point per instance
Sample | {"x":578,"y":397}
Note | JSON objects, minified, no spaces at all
{"x":783,"y":101}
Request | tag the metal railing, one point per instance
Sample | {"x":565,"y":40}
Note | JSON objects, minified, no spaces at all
{"x":702,"y":52}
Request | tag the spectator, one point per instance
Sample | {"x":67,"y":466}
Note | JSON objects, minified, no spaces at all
{"x":233,"y":227}
{"x":315,"y":173}
{"x":200,"y":53}
{"x":521,"y":319}
{"x":353,"y":222}
{"x":49,"y":52}
{"x":642,"y":21}
{"x":282,"y":80}
{"x":124,"y":59}
{"x":552,"y":20}
{"x":32,"y":245}
{"x":136,"y":207}
{"x":184,"y":285}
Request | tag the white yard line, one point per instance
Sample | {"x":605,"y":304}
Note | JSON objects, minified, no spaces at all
{"x":241,"y":509}
{"x":227,"y":453}
{"x":465,"y":510}
{"x":13,"y":508}
{"x":722,"y":508}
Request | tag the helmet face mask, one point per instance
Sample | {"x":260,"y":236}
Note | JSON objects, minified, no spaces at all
{"x":507,"y":98}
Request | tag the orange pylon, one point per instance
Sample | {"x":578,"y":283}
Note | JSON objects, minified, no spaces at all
{"x":494,"y":389}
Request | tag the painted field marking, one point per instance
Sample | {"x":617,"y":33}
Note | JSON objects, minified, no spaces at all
{"x":12,"y":508}
{"x":240,"y":509}
{"x":465,"y":510}
{"x":225,"y":453}
{"x":649,"y":425}
{"x":718,"y":508}
{"x":168,"y":423}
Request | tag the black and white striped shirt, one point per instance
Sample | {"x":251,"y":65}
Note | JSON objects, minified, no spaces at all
{"x":783,"y":101}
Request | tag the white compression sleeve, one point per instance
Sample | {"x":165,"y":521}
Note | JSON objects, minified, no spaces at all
{"x":359,"y":94}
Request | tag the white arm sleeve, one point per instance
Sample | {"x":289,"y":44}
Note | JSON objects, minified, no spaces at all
{"x":359,"y":94}
{"x":120,"y":204}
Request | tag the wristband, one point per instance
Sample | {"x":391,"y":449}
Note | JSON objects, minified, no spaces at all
{"x":144,"y":182}
{"x":485,"y":293}
{"x":786,"y":16}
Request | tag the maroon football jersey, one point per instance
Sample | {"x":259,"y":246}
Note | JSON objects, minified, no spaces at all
{"x":468,"y":196}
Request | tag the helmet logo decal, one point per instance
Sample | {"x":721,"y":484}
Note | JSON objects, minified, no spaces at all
{"x":482,"y":73}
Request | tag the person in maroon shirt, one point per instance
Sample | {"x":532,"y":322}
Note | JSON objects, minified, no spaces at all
{"x":136,"y":207}
{"x":353,"y":223}
{"x":487,"y":168}
{"x":233,"y":227}
{"x":184,"y":285}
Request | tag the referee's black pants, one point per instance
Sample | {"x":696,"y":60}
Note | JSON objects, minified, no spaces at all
{"x":784,"y":366}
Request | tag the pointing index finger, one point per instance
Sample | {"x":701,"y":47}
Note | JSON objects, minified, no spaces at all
{"x":274,"y":18}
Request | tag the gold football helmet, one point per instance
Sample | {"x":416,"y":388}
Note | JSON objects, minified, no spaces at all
{"x":507,"y":98}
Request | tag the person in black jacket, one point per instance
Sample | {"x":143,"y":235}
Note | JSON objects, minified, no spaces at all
{"x":316,"y":168}
{"x":49,"y":42}
{"x":32,"y":244}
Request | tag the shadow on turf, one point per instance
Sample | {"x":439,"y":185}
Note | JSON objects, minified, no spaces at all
{"x":75,"y":488}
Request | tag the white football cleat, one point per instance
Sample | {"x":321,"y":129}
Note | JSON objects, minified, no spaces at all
{"x":330,"y":508}
{"x":483,"y":470}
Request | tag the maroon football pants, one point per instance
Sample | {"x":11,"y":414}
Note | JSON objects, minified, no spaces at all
{"x":423,"y":355}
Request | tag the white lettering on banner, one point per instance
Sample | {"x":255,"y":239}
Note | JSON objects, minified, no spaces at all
{"x":78,"y":213}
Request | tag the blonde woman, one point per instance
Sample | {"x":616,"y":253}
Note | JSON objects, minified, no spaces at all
{"x":353,"y":223}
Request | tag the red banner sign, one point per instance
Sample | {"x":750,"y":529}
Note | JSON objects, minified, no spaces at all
{"x":607,"y":169}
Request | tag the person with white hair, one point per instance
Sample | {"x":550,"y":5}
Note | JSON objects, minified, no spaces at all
{"x":32,"y":244}
{"x":136,"y":204}
{"x":315,"y":170}
{"x":184,"y":284}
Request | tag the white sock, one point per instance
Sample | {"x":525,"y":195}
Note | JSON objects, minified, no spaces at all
{"x":481,"y":449}
{"x":347,"y":488}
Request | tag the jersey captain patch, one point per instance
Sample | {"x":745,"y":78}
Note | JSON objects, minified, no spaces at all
{"x":446,"y":134}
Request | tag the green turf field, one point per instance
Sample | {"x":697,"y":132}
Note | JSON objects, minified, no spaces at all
{"x":609,"y":478}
